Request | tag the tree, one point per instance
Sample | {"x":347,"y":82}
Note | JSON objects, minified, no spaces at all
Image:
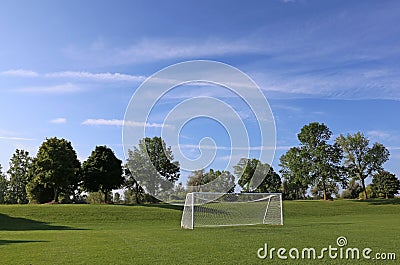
{"x":54,"y":167}
{"x":315,"y":162}
{"x":293,"y":170}
{"x":102,"y":171}
{"x":385,"y":184}
{"x":322,"y":160}
{"x":362,"y":161}
{"x":353,"y":190}
{"x":212,"y":181}
{"x":3,"y":185}
{"x":272,"y":182}
{"x":134,"y":190}
{"x":99,"y":197}
{"x":331,"y":189}
{"x":152,"y":165}
{"x":196,"y":180}
{"x":19,"y":174}
{"x":248,"y":169}
{"x":161,"y":157}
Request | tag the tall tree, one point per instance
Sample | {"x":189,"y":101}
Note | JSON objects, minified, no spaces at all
{"x":385,"y":184}
{"x":152,"y":166}
{"x":55,"y":165}
{"x":102,"y":171}
{"x":19,"y":174}
{"x":317,"y":161}
{"x":3,"y":185}
{"x":248,"y":169}
{"x":362,"y":161}
{"x":294,"y":169}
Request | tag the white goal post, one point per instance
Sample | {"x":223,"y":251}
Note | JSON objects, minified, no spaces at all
{"x":231,"y":209}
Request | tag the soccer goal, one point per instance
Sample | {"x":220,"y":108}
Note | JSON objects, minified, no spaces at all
{"x":231,"y":209}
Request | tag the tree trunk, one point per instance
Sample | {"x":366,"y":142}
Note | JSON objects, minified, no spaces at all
{"x":137,"y":196}
{"x":105,"y":196}
{"x":55,"y":194}
{"x":365,"y":190}
{"x":324,"y":187}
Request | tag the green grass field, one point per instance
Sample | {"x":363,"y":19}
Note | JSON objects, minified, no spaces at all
{"x":118,"y":234}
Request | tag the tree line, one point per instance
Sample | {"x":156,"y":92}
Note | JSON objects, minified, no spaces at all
{"x":318,"y":165}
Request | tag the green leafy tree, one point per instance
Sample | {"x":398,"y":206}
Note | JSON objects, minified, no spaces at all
{"x":331,"y":189}
{"x":353,"y":190}
{"x":134,"y":190}
{"x":385,"y":184}
{"x":315,"y":162}
{"x":196,"y":180}
{"x":54,"y":167}
{"x":249,"y":169}
{"x":152,"y":166}
{"x":98,"y":197}
{"x":212,"y":181}
{"x":102,"y":171}
{"x":3,"y":185}
{"x":322,"y":160}
{"x":38,"y":193}
{"x":19,"y":175}
{"x":294,"y":169}
{"x":362,"y":161}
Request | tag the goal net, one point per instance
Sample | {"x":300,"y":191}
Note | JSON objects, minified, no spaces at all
{"x":231,"y":209}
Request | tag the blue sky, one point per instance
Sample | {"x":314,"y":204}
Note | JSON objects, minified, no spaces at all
{"x":69,"y":68}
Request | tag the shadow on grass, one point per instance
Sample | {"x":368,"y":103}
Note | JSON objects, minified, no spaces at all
{"x":393,"y":201}
{"x":7,"y":242}
{"x":158,"y":205}
{"x":8,"y":223}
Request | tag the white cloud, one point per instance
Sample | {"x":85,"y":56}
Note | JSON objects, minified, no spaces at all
{"x":378,"y":134}
{"x":59,"y":121}
{"x":250,"y":148}
{"x":76,"y":75}
{"x":20,"y":73}
{"x":96,"y":76}
{"x":12,"y":138}
{"x":56,"y":89}
{"x":148,"y":50}
{"x":115,"y":122}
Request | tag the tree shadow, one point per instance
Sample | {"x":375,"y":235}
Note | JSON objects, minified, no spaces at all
{"x":7,"y":242}
{"x":392,"y":201}
{"x":9,"y":223}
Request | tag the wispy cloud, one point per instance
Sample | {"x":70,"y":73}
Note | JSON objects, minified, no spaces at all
{"x":96,"y":76}
{"x":19,"y":73}
{"x":148,"y":50}
{"x":55,"y":89}
{"x":227,"y":148}
{"x":75,"y":75}
{"x":59,"y":121}
{"x":116,"y":122}
{"x":12,"y":138}
{"x":378,"y":134}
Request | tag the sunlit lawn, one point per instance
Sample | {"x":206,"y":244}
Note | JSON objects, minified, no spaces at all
{"x":118,"y":234}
